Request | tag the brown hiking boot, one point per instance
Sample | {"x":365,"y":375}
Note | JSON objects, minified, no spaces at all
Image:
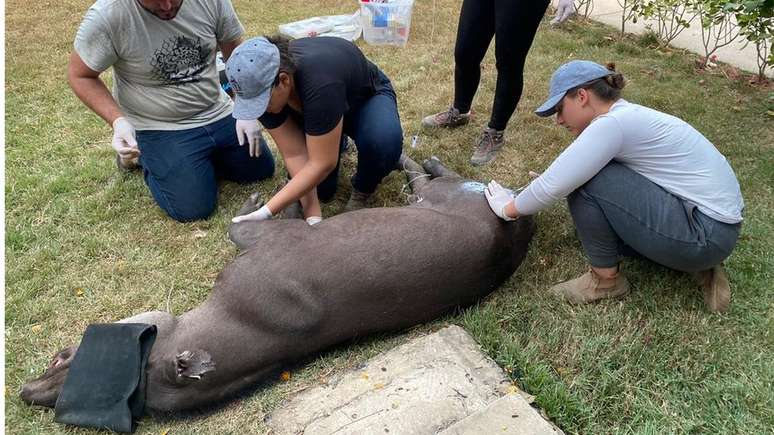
{"x":590,"y":287}
{"x":490,"y":142}
{"x":717,"y":290}
{"x":357,"y":200}
{"x":450,"y":118}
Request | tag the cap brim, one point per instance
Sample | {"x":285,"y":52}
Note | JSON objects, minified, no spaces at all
{"x":251,"y":108}
{"x":549,"y":107}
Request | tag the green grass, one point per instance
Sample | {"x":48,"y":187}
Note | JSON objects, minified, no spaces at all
{"x":85,"y":243}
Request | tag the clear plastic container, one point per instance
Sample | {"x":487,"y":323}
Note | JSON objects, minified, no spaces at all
{"x":386,"y":22}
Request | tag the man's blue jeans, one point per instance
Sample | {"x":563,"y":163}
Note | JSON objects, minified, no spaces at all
{"x":619,"y":210}
{"x":181,"y":167}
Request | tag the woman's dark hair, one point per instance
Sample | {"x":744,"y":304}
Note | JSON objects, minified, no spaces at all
{"x":608,"y":88}
{"x":287,"y":62}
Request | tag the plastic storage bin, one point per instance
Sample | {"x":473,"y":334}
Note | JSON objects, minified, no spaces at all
{"x":386,"y":22}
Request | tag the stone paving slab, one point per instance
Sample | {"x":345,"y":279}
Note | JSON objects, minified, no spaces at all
{"x":508,"y":415}
{"x":422,"y":387}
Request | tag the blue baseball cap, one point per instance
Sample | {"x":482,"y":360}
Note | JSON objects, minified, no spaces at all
{"x":251,"y":70}
{"x":569,"y":76}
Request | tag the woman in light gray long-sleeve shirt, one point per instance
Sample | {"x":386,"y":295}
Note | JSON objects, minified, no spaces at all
{"x":635,"y":180}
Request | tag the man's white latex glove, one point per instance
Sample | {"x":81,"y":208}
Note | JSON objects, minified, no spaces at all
{"x":250,"y":129}
{"x":261,"y":214}
{"x":124,"y":141}
{"x":498,"y":198}
{"x":564,"y":10}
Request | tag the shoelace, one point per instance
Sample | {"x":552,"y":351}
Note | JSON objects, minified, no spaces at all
{"x":449,"y":115}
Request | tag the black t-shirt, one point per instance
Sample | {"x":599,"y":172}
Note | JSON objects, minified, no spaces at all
{"x":332,"y":78}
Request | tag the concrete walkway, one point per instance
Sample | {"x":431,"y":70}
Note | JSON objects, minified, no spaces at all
{"x":609,"y":12}
{"x":437,"y":384}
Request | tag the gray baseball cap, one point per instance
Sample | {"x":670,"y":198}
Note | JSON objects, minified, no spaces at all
{"x":251,"y":70}
{"x":568,"y":76}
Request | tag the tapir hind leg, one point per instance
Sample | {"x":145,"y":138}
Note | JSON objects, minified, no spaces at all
{"x":434,"y":166}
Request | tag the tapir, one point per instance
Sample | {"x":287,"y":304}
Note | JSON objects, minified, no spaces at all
{"x":296,"y":289}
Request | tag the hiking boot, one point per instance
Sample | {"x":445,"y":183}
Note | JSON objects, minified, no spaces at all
{"x":489,"y":144}
{"x":591,"y":287}
{"x":717,"y":290}
{"x":129,"y":164}
{"x":357,"y":200}
{"x":449,"y":119}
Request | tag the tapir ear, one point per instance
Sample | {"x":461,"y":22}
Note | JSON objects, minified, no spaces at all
{"x":193,"y":364}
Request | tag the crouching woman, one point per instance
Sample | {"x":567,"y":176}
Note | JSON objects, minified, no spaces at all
{"x":635,"y":180}
{"x":309,"y":93}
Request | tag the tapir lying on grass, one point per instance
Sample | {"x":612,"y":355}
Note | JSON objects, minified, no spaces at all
{"x":297,"y":289}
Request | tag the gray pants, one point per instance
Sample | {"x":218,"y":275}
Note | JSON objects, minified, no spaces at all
{"x":619,"y":210}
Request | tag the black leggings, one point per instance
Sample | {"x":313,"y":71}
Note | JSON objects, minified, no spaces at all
{"x":513,"y":23}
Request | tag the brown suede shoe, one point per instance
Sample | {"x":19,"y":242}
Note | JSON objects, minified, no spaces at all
{"x":449,"y":119}
{"x":590,"y":287}
{"x":717,"y":290}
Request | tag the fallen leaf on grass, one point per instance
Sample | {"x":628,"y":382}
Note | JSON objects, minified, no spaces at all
{"x":36,"y":328}
{"x":285,"y":376}
{"x":78,"y":292}
{"x":164,"y":432}
{"x":199,"y":234}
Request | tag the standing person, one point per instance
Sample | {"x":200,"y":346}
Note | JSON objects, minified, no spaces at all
{"x":636,"y":180}
{"x":168,"y":111}
{"x":308,"y":93}
{"x":513,"y":24}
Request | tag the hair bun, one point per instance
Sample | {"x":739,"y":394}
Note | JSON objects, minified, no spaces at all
{"x":610,"y":66}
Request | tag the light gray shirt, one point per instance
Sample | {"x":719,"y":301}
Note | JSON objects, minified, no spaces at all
{"x":662,"y":148}
{"x":164,"y":72}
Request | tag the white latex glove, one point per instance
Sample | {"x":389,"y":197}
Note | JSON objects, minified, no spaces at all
{"x":498,"y":198}
{"x":564,"y":9}
{"x":124,"y":141}
{"x":251,"y":129}
{"x":261,"y":214}
{"x":313,"y":220}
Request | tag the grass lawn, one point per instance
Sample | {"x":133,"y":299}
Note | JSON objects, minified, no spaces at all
{"x":85,"y":243}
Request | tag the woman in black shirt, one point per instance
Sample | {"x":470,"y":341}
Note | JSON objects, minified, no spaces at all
{"x":308,"y":93}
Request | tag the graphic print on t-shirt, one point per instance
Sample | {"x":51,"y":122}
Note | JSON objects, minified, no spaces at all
{"x":180,"y":60}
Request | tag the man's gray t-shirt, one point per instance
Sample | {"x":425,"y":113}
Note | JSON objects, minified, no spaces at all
{"x":164,"y":72}
{"x":664,"y":149}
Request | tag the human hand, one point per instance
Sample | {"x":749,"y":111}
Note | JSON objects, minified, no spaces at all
{"x":252,"y":130}
{"x":261,"y":214}
{"x":124,"y":141}
{"x":564,"y":9}
{"x":498,"y":198}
